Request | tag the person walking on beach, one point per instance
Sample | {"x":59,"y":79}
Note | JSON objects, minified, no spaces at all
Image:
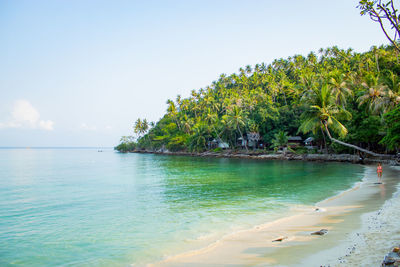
{"x":379,"y":171}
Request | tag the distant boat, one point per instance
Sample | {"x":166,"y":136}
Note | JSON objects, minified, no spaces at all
{"x":99,"y":150}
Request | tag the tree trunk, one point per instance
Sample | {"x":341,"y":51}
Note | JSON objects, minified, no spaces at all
{"x":323,"y":135}
{"x":215,"y":131}
{"x":241,"y":135}
{"x":284,"y":96}
{"x":148,"y":138}
{"x":350,"y":145}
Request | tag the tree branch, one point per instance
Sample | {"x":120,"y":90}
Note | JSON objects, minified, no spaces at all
{"x":384,"y":31}
{"x":389,"y":17}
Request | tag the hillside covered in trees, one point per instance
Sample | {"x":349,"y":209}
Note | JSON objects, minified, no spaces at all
{"x":339,"y":97}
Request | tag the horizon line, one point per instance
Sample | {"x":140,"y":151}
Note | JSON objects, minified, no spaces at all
{"x":55,"y":147}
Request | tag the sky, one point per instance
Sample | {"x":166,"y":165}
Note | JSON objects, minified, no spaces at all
{"x":80,"y":72}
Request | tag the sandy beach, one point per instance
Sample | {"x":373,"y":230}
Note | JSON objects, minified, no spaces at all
{"x":361,"y":222}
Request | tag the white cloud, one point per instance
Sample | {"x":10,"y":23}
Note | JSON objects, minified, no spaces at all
{"x":24,"y":115}
{"x":46,"y":125}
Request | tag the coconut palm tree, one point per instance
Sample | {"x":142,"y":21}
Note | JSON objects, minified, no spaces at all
{"x":280,"y":140}
{"x":248,"y":69}
{"x":186,"y":124}
{"x":141,"y":127}
{"x":373,"y":95}
{"x":324,"y":114}
{"x":340,"y":90}
{"x":145,"y":126}
{"x":235,"y":119}
{"x":198,"y":140}
{"x":173,"y":112}
{"x":137,"y":128}
{"x":392,"y":81}
{"x":391,"y":100}
{"x":212,"y":118}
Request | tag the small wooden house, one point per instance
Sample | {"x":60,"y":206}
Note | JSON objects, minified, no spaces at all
{"x":252,"y":140}
{"x":295,"y":141}
{"x":217,"y":144}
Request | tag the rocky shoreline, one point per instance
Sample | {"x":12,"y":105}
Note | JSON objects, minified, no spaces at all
{"x":389,"y":159}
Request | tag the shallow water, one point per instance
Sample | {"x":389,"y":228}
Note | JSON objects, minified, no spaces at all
{"x":81,"y":207}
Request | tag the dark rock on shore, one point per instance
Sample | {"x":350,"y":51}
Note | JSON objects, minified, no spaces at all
{"x":320,"y":232}
{"x":392,"y":258}
{"x":280,"y":239}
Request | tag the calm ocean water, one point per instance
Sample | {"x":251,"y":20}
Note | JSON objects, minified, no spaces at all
{"x":79,"y":207}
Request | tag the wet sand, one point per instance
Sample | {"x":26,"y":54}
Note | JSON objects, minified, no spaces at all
{"x":346,"y":216}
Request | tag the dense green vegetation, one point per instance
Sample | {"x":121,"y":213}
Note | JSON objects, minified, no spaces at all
{"x":340,"y":97}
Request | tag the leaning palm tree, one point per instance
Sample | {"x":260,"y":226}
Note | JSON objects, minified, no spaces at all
{"x":323,"y":114}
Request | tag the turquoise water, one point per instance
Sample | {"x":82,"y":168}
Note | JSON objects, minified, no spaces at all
{"x":79,"y":207}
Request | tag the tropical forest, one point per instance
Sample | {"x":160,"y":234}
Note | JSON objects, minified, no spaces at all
{"x":345,"y":100}
{"x":342,"y":100}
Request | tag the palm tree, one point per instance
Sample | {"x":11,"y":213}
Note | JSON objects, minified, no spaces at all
{"x":137,"y":128}
{"x":263,"y":68}
{"x":235,"y":120}
{"x":339,"y":87}
{"x":173,"y":112}
{"x":144,"y":129}
{"x":248,"y":69}
{"x":253,"y":135}
{"x":373,"y":95}
{"x":187,"y":124}
{"x":212,"y":118}
{"x":392,"y":81}
{"x":145,"y":126}
{"x":283,"y":84}
{"x":280,"y":140}
{"x":391,"y":100}
{"x":141,"y":127}
{"x":324,"y":114}
{"x":199,"y":138}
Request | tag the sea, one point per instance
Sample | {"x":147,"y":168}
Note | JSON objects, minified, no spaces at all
{"x":98,"y":207}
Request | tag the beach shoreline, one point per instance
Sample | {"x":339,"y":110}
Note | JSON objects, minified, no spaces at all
{"x":346,"y":216}
{"x":379,"y":233}
{"x":256,"y":155}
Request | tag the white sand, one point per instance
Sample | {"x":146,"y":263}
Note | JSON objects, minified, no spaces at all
{"x":379,"y":233}
{"x":361,"y":232}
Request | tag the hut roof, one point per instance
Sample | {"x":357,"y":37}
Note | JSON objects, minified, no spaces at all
{"x":294,"y":138}
{"x":309,"y":139}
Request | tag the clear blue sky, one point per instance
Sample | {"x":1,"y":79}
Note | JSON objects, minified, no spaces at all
{"x":79,"y":73}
